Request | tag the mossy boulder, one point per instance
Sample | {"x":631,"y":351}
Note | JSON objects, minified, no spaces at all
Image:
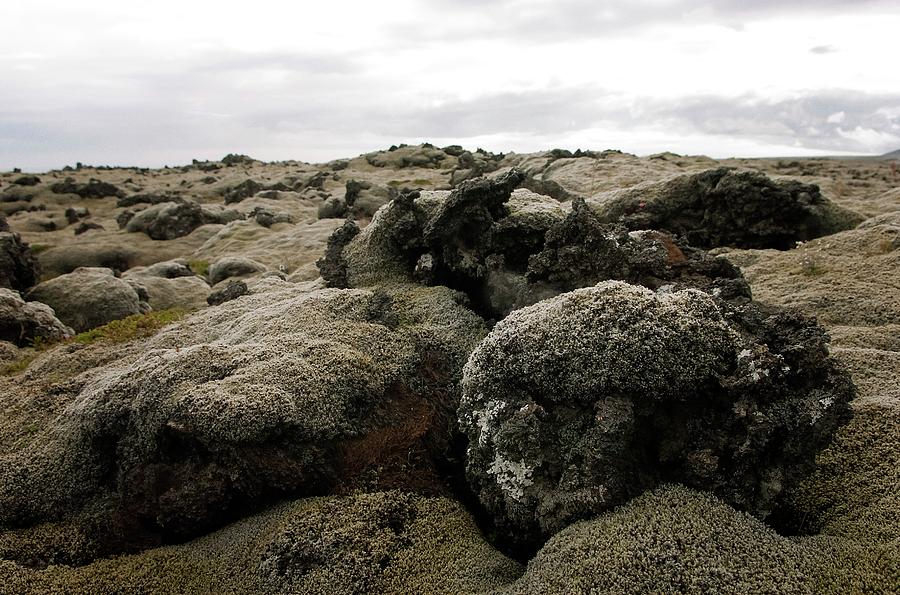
{"x":385,"y":542}
{"x":676,"y":540}
{"x":724,"y":207}
{"x":270,"y":395}
{"x":580,"y":402}
{"x":89,"y":297}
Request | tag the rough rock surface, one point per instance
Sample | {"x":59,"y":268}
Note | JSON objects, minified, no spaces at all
{"x":170,"y":220}
{"x":282,"y":392}
{"x":233,"y":266}
{"x":580,"y":402}
{"x":232,"y":291}
{"x":722,"y":207}
{"x":18,"y":267}
{"x":508,"y":249}
{"x":674,"y":540}
{"x":88,"y":298}
{"x":24,"y":322}
{"x":91,"y":189}
{"x":390,"y":543}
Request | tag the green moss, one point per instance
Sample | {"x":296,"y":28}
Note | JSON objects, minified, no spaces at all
{"x":117,"y":331}
{"x":133,"y":327}
{"x":200,"y":267}
{"x":38,"y":248}
{"x":19,"y":365}
{"x":854,"y":491}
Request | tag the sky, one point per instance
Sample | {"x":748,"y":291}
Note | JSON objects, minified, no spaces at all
{"x":149,"y":83}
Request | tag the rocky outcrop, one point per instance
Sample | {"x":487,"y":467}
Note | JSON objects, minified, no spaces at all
{"x":507,"y":249}
{"x":232,"y":291}
{"x":169,"y":285}
{"x":281,"y":392}
{"x":578,"y":403}
{"x":723,"y":207}
{"x":18,"y":268}
{"x":88,"y":298}
{"x":674,"y":540}
{"x":23,"y":323}
{"x":90,"y":189}
{"x":170,"y":220}
{"x":233,"y":266}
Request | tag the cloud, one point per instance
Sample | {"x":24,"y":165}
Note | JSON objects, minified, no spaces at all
{"x":570,"y":19}
{"x":823,"y":49}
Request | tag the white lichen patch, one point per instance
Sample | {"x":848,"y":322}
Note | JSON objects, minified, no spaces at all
{"x":512,"y":477}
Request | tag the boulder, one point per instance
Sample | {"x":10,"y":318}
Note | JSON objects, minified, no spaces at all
{"x":88,"y":298}
{"x":27,"y":181}
{"x":245,"y":189}
{"x":18,"y":268}
{"x":510,"y":248}
{"x":232,"y":291}
{"x":170,"y":220}
{"x":91,"y":189}
{"x":390,"y":543}
{"x":233,"y":266}
{"x":724,"y":207}
{"x":580,"y":402}
{"x":283,"y":392}
{"x":24,"y":322}
{"x":674,"y":540}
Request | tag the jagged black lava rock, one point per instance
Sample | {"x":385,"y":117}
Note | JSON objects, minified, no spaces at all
{"x":724,"y":207}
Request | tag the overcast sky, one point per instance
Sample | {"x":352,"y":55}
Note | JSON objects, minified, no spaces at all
{"x":134,"y":82}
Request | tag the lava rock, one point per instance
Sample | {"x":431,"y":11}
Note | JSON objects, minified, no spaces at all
{"x":91,"y":189}
{"x":18,"y":267}
{"x":170,"y":220}
{"x":233,"y":266}
{"x":75,"y":214}
{"x":578,"y":403}
{"x":333,"y":266}
{"x":27,"y":181}
{"x":245,"y":189}
{"x":283,"y":392}
{"x":24,"y":322}
{"x":153,"y":199}
{"x":232,"y":291}
{"x":267,"y":218}
{"x":88,"y":297}
{"x":86,"y":226}
{"x":723,"y":207}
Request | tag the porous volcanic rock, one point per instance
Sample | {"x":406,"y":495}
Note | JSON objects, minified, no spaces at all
{"x":232,"y":291}
{"x":723,"y":207}
{"x":90,"y":189}
{"x":22,"y":322}
{"x":168,"y":285}
{"x":88,"y":297}
{"x":510,"y":248}
{"x":386,"y":542}
{"x":170,"y":220}
{"x":580,"y":402}
{"x":233,"y":266}
{"x":284,"y":391}
{"x":18,"y":268}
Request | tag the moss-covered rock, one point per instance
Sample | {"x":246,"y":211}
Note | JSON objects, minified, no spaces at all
{"x":723,"y":207}
{"x":582,"y":401}
{"x":675,"y":540}
{"x":388,"y":542}
{"x":257,"y":398}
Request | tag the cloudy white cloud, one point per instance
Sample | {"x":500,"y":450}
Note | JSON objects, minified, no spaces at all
{"x":158,"y":82}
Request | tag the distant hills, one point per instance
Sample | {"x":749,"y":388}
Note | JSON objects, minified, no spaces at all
{"x":892,"y":155}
